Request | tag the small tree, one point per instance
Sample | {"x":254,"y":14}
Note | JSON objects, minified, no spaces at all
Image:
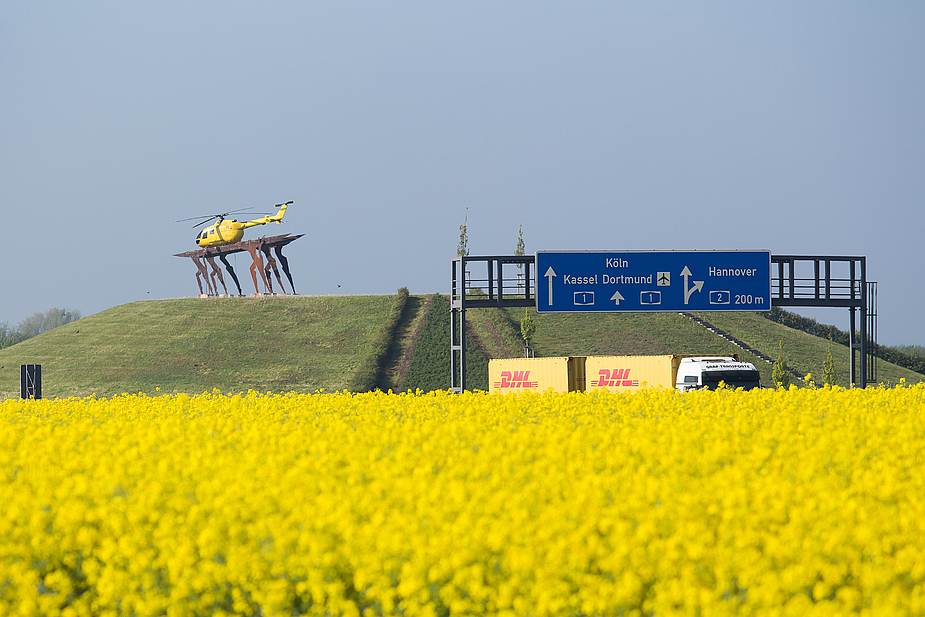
{"x":828,"y":366}
{"x":463,"y":249}
{"x":527,"y":329}
{"x":9,"y":336}
{"x":779,"y":374}
{"x":519,"y":251}
{"x":39,"y":323}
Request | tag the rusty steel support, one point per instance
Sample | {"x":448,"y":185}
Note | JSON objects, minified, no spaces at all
{"x":257,"y":249}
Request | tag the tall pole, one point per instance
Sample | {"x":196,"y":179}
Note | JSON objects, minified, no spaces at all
{"x":851,"y":346}
{"x":458,"y":326}
{"x":863,"y":324}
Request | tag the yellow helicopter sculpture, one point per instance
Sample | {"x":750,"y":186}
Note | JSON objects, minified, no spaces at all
{"x":226,"y":231}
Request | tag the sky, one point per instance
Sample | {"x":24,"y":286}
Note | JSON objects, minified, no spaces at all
{"x":792,"y":127}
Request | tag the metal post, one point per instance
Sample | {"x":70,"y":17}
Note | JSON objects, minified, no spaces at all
{"x":462,"y":349}
{"x":500,"y":267}
{"x":863,"y":323}
{"x":458,"y":326}
{"x":828,"y":279}
{"x":816,"y":275}
{"x":527,"y":279}
{"x":792,"y":278}
{"x":871,"y":331}
{"x":30,"y":381}
{"x":851,"y":347}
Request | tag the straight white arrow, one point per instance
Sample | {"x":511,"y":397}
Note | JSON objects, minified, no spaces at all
{"x":550,"y":274}
{"x":698,"y":285}
{"x":617,"y":296}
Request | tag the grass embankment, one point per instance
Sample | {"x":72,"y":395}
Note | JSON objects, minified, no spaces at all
{"x":606,"y":334}
{"x":193,"y":345}
{"x":370,"y":372}
{"x":804,"y":353}
{"x":303,"y":344}
{"x":425,"y":359}
{"x":629,"y":334}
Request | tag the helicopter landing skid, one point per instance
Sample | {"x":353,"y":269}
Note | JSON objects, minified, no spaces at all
{"x":258,"y":250}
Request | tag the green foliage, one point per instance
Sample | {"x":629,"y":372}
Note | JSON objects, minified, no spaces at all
{"x":10,"y":337}
{"x":905,"y":356}
{"x":521,"y":247}
{"x":463,"y":249}
{"x":828,"y":367}
{"x":527,"y":326}
{"x":429,"y":368}
{"x":496,"y":335}
{"x":39,"y":323}
{"x":368,"y":374}
{"x":911,"y":350}
{"x":780,"y":377}
{"x":806,"y":324}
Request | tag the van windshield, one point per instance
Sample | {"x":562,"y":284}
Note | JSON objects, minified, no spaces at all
{"x":747,"y":379}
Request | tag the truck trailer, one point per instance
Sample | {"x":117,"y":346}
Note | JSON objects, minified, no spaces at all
{"x":621,"y":373}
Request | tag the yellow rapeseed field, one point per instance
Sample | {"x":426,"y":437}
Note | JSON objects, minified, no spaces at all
{"x":799,"y":502}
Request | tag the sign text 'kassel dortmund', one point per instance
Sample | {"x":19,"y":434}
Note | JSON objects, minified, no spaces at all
{"x":590,"y":281}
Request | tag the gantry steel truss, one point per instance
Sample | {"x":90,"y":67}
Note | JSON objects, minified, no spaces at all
{"x":505,"y":281}
{"x":833,"y":281}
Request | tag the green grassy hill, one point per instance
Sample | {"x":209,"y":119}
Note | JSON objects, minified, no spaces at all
{"x":303,"y":344}
{"x":193,"y":345}
{"x":563,"y":334}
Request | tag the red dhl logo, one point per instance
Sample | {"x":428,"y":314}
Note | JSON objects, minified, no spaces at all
{"x":516,"y":379}
{"x":614,"y":379}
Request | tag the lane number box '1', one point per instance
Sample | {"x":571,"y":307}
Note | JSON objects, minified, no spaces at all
{"x":597,"y":281}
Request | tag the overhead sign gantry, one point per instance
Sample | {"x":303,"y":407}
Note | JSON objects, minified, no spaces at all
{"x":666,"y":281}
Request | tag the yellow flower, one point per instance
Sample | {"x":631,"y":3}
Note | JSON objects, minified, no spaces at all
{"x":727,"y":502}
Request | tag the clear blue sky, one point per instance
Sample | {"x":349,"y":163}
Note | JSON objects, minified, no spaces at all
{"x":789,"y":126}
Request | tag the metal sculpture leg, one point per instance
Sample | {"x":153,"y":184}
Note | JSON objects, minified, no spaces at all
{"x":216,"y":271}
{"x":204,"y":273}
{"x":285,"y":262}
{"x":231,"y":272}
{"x":254,"y":250}
{"x":271,"y":265}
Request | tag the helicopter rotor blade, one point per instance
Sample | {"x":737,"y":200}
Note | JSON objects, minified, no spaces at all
{"x":192,"y":218}
{"x":208,"y":217}
{"x":204,"y":221}
{"x":238,"y":210}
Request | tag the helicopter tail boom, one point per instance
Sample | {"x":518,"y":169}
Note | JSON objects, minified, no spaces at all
{"x":275,"y":218}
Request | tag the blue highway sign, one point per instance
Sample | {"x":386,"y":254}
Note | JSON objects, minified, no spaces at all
{"x":590,"y":281}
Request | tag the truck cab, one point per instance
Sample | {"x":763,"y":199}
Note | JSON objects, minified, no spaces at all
{"x":707,"y":372}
